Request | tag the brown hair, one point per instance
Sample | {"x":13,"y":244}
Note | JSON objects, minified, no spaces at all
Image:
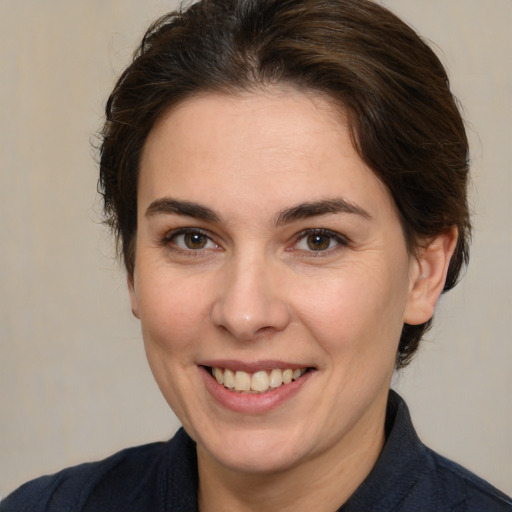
{"x":404,"y":120}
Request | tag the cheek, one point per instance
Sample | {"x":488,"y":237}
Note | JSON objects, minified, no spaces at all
{"x":173,"y":324}
{"x":172,"y":313}
{"x":359,"y":310}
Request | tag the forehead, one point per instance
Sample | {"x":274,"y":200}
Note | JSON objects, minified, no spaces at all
{"x":272,"y":146}
{"x":264,"y":120}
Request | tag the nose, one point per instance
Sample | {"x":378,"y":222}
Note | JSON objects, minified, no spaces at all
{"x":251,"y":300}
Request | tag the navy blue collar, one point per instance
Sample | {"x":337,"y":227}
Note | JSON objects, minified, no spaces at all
{"x":399,"y":468}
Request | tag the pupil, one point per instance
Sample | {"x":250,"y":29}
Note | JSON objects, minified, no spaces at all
{"x":318,"y":242}
{"x":195,"y":240}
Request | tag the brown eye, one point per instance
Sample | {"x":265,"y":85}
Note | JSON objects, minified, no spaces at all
{"x":192,"y":240}
{"x":319,"y":242}
{"x":195,"y":240}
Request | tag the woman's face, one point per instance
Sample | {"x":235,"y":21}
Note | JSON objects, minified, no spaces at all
{"x":265,"y":247}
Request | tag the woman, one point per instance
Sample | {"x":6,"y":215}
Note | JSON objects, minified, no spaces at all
{"x":287,"y":179}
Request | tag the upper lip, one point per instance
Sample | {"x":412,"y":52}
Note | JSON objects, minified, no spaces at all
{"x":252,"y":367}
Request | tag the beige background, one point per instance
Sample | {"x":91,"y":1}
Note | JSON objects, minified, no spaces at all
{"x":74,"y":384}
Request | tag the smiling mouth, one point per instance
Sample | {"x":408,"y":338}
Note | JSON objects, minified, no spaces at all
{"x":258,"y":382}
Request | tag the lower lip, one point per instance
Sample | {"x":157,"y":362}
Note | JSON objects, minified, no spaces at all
{"x":249,"y":403}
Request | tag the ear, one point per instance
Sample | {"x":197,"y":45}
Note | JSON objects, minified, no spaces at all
{"x":428,"y":275}
{"x":133,"y":296}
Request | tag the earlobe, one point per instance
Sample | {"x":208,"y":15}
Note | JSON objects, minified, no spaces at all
{"x":428,"y":277}
{"x":133,"y":296}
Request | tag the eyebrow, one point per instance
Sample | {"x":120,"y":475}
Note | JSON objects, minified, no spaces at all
{"x":317,"y":208}
{"x":170,"y":206}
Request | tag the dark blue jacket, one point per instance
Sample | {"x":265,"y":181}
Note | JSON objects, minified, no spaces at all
{"x":162,"y":477}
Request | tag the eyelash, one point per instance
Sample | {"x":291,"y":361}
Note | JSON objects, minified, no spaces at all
{"x":169,"y":240}
{"x":340,"y":240}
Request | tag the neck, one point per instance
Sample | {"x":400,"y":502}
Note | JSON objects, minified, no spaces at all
{"x":322,"y":483}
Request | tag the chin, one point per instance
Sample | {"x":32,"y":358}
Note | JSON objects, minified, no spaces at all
{"x":260,"y":452}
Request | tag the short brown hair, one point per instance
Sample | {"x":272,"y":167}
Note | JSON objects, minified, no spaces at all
{"x":403,"y":118}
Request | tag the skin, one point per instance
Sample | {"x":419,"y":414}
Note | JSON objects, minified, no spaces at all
{"x":256,"y":288}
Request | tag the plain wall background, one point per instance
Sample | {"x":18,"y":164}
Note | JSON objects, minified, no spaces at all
{"x":74,"y":383}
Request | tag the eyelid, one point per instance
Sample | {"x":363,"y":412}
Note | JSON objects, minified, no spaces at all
{"x":341,"y":240}
{"x":166,"y":240}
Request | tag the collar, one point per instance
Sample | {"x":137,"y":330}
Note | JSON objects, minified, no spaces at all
{"x":399,"y":467}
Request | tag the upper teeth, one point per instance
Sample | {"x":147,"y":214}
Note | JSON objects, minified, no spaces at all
{"x":258,"y":382}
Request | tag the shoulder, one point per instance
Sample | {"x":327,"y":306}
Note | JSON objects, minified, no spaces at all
{"x":464,"y":490}
{"x":411,"y":477}
{"x":123,"y":476}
